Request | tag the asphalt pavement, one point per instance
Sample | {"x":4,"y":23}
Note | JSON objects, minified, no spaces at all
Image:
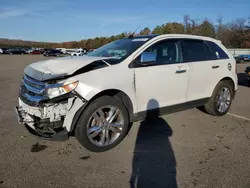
{"x":185,"y":149}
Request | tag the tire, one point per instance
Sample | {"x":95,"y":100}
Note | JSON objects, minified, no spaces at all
{"x":81,"y":131}
{"x":211,"y":106}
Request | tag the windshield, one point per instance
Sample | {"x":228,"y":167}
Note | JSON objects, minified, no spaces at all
{"x":119,"y":49}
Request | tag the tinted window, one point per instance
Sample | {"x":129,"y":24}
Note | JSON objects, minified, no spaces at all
{"x":217,"y":51}
{"x":167,"y":52}
{"x":196,"y":50}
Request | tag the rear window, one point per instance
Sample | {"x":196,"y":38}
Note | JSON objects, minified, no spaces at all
{"x":196,"y":50}
{"x":217,"y":51}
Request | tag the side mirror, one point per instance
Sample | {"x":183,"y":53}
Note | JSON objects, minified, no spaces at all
{"x":148,"y":58}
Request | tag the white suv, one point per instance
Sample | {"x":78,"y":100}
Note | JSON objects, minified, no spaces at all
{"x":97,"y":96}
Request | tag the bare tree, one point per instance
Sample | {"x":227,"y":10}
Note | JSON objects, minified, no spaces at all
{"x":249,"y":21}
{"x":194,"y":26}
{"x":237,"y":33}
{"x":219,"y":28}
{"x":186,"y":19}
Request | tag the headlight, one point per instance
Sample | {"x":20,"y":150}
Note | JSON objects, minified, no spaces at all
{"x":62,"y":89}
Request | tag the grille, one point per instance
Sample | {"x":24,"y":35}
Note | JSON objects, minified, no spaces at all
{"x":32,"y":84}
{"x":32,"y":92}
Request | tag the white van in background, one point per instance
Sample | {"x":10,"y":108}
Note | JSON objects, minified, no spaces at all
{"x":63,"y":50}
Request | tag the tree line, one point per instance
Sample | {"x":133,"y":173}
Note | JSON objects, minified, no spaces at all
{"x":234,"y":34}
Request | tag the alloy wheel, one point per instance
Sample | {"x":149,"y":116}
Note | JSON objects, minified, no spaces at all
{"x":223,"y":100}
{"x":105,"y":126}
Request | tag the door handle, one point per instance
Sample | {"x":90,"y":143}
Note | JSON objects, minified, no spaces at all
{"x":180,"y":71}
{"x":215,"y":66}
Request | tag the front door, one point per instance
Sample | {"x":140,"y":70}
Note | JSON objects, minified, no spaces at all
{"x":165,"y":81}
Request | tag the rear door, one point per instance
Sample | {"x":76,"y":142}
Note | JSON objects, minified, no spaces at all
{"x":203,"y":72}
{"x":222,"y":65}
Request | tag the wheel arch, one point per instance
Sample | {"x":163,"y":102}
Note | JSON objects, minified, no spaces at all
{"x":231,"y":82}
{"x":117,"y":94}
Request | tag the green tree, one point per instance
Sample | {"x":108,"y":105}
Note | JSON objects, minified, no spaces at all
{"x":158,"y":29}
{"x":145,"y":31}
{"x":206,"y":29}
{"x":174,"y":27}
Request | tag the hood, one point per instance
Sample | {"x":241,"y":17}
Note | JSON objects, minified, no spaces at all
{"x":54,"y":68}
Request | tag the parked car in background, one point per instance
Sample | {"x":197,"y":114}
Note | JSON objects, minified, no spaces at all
{"x":57,"y":53}
{"x":78,"y":53}
{"x":45,"y":50}
{"x":16,"y":51}
{"x":96,"y":97}
{"x":247,"y":71}
{"x":5,"y":50}
{"x":242,"y":58}
{"x":1,"y":51}
{"x":63,"y":50}
{"x":28,"y":50}
{"x":35,"y":52}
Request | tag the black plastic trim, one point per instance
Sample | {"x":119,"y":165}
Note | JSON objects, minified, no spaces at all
{"x":168,"y":109}
{"x":60,"y":98}
{"x":76,"y":118}
{"x":59,"y":136}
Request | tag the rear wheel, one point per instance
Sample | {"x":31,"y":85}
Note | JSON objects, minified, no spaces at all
{"x":103,"y":124}
{"x":220,"y":102}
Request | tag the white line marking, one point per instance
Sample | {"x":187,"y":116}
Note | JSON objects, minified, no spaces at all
{"x":241,"y":117}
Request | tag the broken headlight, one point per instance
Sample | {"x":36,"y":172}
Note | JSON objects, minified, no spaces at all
{"x":61,"y":89}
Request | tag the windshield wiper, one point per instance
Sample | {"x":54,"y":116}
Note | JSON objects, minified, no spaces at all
{"x":106,"y":62}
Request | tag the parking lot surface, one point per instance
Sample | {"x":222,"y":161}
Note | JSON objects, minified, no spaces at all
{"x":186,"y":149}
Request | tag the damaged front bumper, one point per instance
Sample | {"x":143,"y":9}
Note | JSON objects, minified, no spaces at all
{"x":50,"y":121}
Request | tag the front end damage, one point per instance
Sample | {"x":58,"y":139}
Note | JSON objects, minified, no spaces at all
{"x":44,"y":117}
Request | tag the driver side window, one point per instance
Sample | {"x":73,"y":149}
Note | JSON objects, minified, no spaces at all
{"x":167,"y":52}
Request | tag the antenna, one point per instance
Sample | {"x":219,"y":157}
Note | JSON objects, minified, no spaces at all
{"x":132,"y":35}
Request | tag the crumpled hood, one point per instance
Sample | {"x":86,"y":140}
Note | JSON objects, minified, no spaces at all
{"x":53,"y":68}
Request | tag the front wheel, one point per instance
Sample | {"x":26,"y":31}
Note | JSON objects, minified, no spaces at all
{"x":103,"y":124}
{"x":220,"y":102}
